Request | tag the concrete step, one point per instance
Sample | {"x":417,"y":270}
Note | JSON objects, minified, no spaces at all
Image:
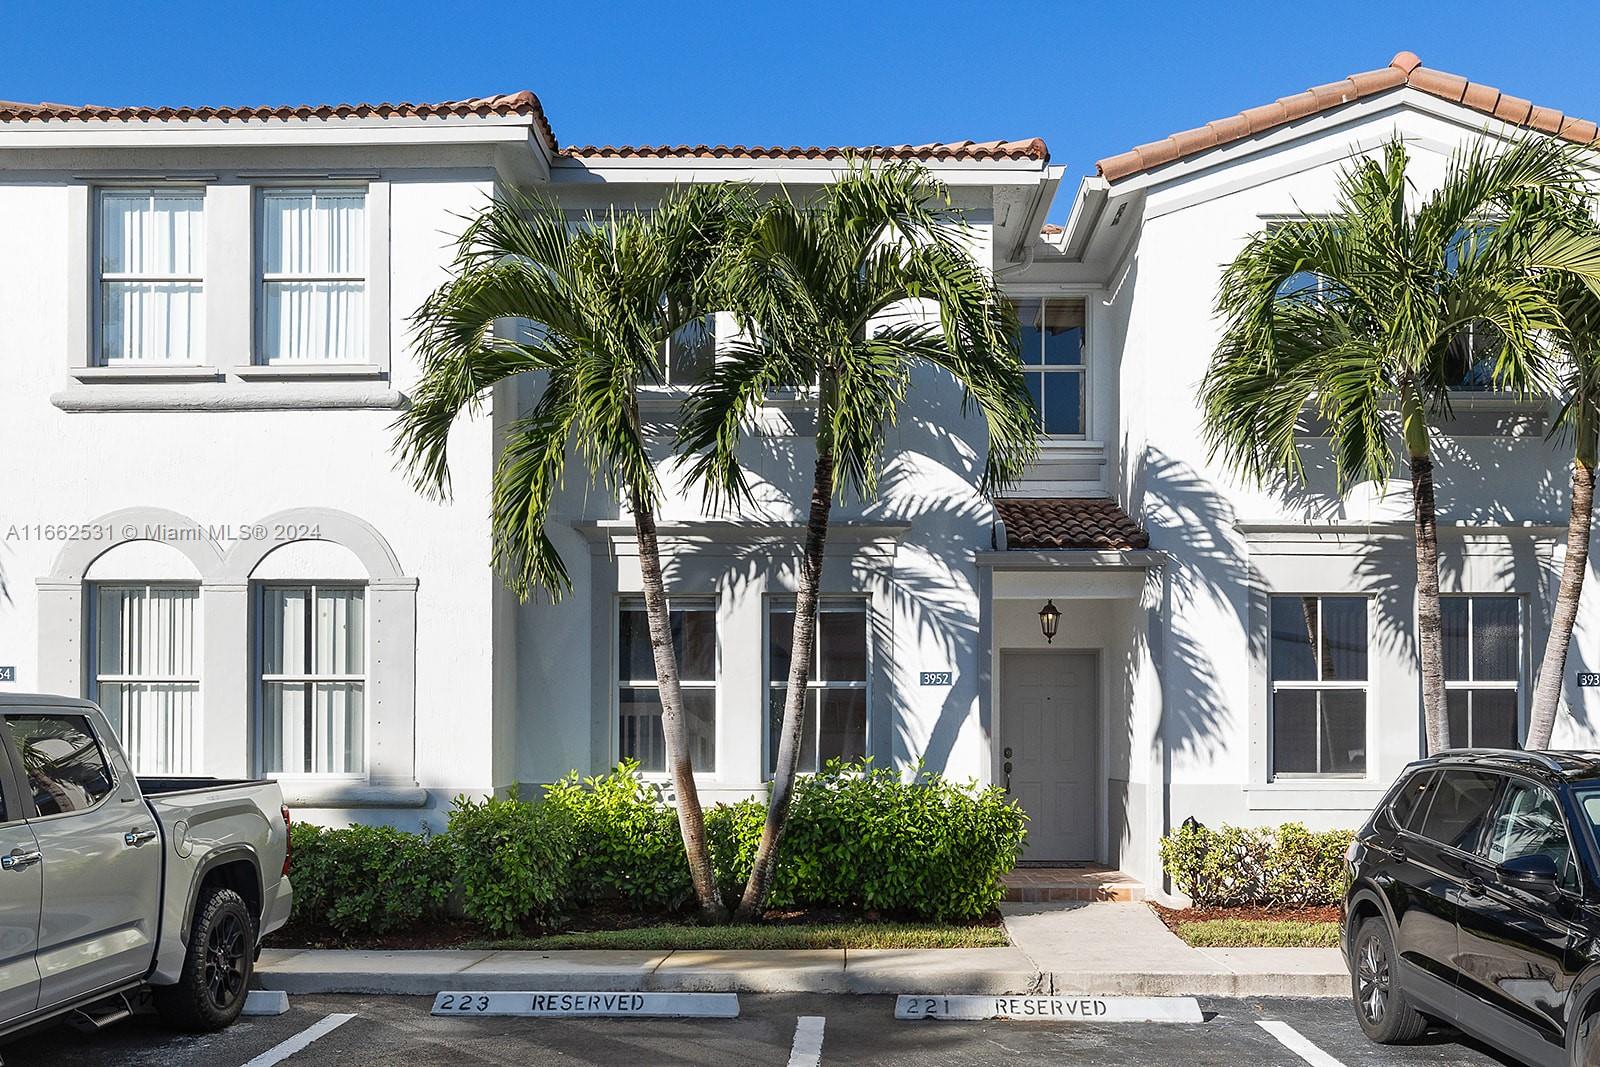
{"x":1043,"y":885}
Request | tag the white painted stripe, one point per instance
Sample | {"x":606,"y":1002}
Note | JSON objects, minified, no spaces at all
{"x":280,"y":1052}
{"x":1296,"y":1042}
{"x":807,"y":1050}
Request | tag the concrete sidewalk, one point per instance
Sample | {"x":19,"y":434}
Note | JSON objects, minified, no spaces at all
{"x":1107,"y":948}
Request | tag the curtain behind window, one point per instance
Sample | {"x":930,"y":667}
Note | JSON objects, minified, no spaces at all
{"x":152,"y":248}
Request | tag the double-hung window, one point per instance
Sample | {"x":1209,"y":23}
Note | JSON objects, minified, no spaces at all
{"x":1317,"y":664}
{"x":1482,"y":669}
{"x":1052,"y":351}
{"x":144,"y":671}
{"x":151,"y":266}
{"x":694,"y":638}
{"x":313,"y":254}
{"x":836,"y":697}
{"x":312,"y":661}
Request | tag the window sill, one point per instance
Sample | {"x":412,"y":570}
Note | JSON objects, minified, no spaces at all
{"x":156,"y":372}
{"x":294,"y":371}
{"x":353,"y":794}
{"x":1350,"y":793}
{"x":221,"y":396}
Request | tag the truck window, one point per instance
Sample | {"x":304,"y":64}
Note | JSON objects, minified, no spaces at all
{"x":1459,"y":808}
{"x":67,"y":771}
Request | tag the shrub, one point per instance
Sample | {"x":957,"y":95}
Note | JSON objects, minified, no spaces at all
{"x":628,"y":843}
{"x":1286,"y":866}
{"x":514,"y":859}
{"x":369,"y":880}
{"x":864,"y":837}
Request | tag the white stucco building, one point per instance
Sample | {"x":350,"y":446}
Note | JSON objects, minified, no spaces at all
{"x":204,"y":320}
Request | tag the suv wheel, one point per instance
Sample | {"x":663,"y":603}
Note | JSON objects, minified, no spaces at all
{"x":1385,"y":1014}
{"x":210,"y":992}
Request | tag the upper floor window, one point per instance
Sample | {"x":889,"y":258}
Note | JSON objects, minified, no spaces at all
{"x":1482,"y":669}
{"x":145,"y":673}
{"x":1052,"y":350}
{"x":691,"y":353}
{"x":312,"y":661}
{"x":836,"y":699}
{"x":1318,"y":670}
{"x":151,"y":264}
{"x":694,"y":638}
{"x":313,"y":276}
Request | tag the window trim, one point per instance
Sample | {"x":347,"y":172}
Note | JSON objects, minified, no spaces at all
{"x":841,"y":603}
{"x":1081,"y":369}
{"x":94,"y":678}
{"x":1364,"y":686}
{"x":97,"y":364}
{"x":258,"y":364}
{"x":691,"y":602}
{"x":1518,"y":685}
{"x":259,"y":677}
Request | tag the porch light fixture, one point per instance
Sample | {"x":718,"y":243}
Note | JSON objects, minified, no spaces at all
{"x":1049,"y":619}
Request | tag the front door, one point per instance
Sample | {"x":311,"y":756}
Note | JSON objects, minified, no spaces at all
{"x":1049,"y":735}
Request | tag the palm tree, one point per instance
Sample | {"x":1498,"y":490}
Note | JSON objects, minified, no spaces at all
{"x":1366,"y":318}
{"x":1579,"y":416}
{"x":829,"y":291}
{"x":595,"y":304}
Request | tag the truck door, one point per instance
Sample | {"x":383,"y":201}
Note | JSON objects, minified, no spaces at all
{"x":21,"y":882}
{"x":100,"y":855}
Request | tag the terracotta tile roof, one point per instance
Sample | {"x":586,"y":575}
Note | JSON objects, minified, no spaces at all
{"x":1405,"y":69}
{"x":1050,"y":229}
{"x":1069,"y":522}
{"x":1033,"y":148}
{"x":523,"y":103}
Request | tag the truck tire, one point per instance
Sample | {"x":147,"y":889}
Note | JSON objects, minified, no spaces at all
{"x":210,"y":992}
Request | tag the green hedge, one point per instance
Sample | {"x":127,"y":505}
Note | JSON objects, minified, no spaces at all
{"x":858,"y":838}
{"x":1284,"y":866}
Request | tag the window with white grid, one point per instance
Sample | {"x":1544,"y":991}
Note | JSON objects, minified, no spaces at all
{"x":312,"y":662}
{"x":313,"y":253}
{"x":151,"y":266}
{"x":1483,"y":669}
{"x":145,"y":674}
{"x":836,"y":696}
{"x":694,"y":638}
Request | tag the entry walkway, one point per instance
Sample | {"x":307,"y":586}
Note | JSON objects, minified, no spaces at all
{"x":1122,"y":947}
{"x":1083,"y":881}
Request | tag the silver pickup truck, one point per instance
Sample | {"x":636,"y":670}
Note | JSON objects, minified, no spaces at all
{"x":110,"y":884}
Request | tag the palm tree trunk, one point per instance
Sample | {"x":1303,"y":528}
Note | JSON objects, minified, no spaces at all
{"x":1553,"y":668}
{"x":691,"y":820}
{"x":794,"y":700}
{"x":1429,"y":627}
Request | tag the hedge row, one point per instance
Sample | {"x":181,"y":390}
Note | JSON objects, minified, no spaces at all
{"x":857,"y":838}
{"x":1285,"y":866}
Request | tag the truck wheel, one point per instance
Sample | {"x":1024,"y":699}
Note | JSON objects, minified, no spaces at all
{"x":1382,"y":1008}
{"x":216,"y":973}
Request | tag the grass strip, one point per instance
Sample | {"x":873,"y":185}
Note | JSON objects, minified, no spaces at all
{"x":1259,"y":933}
{"x":715,"y":938}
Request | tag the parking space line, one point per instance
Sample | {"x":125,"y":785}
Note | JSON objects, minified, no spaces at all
{"x":1296,"y":1042}
{"x":807,"y":1049}
{"x":283,"y":1050}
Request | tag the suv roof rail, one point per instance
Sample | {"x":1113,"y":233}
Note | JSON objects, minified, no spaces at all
{"x":1538,"y":756}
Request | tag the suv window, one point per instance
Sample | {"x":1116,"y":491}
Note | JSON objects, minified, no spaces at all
{"x":1459,"y":808}
{"x":67,"y":771}
{"x":1410,"y":800}
{"x":1526,"y":822}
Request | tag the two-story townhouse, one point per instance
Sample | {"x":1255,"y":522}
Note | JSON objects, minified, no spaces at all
{"x":206,"y":316}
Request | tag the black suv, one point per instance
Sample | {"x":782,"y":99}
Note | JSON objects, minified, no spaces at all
{"x":1475,"y":899}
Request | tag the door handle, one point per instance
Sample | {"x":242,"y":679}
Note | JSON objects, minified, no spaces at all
{"x":18,"y":859}
{"x":1008,"y":775}
{"x":135,"y":838}
{"x":1476,"y":887}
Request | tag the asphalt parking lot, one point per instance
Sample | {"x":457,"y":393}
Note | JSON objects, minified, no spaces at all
{"x":857,"y":1030}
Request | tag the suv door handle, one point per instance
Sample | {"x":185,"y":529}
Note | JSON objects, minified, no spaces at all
{"x":135,"y":838}
{"x":1476,"y":887}
{"x":18,"y":859}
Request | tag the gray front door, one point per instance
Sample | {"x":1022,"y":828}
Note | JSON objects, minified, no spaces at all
{"x":1049,"y":733}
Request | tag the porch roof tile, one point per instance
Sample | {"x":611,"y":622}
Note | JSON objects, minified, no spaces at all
{"x":1034,"y":523}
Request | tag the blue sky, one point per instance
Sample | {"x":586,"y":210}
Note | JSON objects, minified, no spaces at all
{"x":1092,"y":79}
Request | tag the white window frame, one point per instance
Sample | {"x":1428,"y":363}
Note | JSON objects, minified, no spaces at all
{"x":97,"y":678}
{"x":258,"y":660}
{"x":263,"y":277}
{"x":1081,"y":368}
{"x":97,"y":315}
{"x":835,"y":604}
{"x":1517,"y":684}
{"x":682,"y":603}
{"x":1317,"y":685}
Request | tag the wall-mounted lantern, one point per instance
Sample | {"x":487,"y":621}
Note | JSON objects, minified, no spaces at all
{"x":1049,"y":619}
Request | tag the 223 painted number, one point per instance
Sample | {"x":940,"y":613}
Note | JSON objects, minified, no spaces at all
{"x":448,"y":1002}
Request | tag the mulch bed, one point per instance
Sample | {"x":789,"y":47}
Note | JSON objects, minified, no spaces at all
{"x":1330,"y":913}
{"x":444,"y":935}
